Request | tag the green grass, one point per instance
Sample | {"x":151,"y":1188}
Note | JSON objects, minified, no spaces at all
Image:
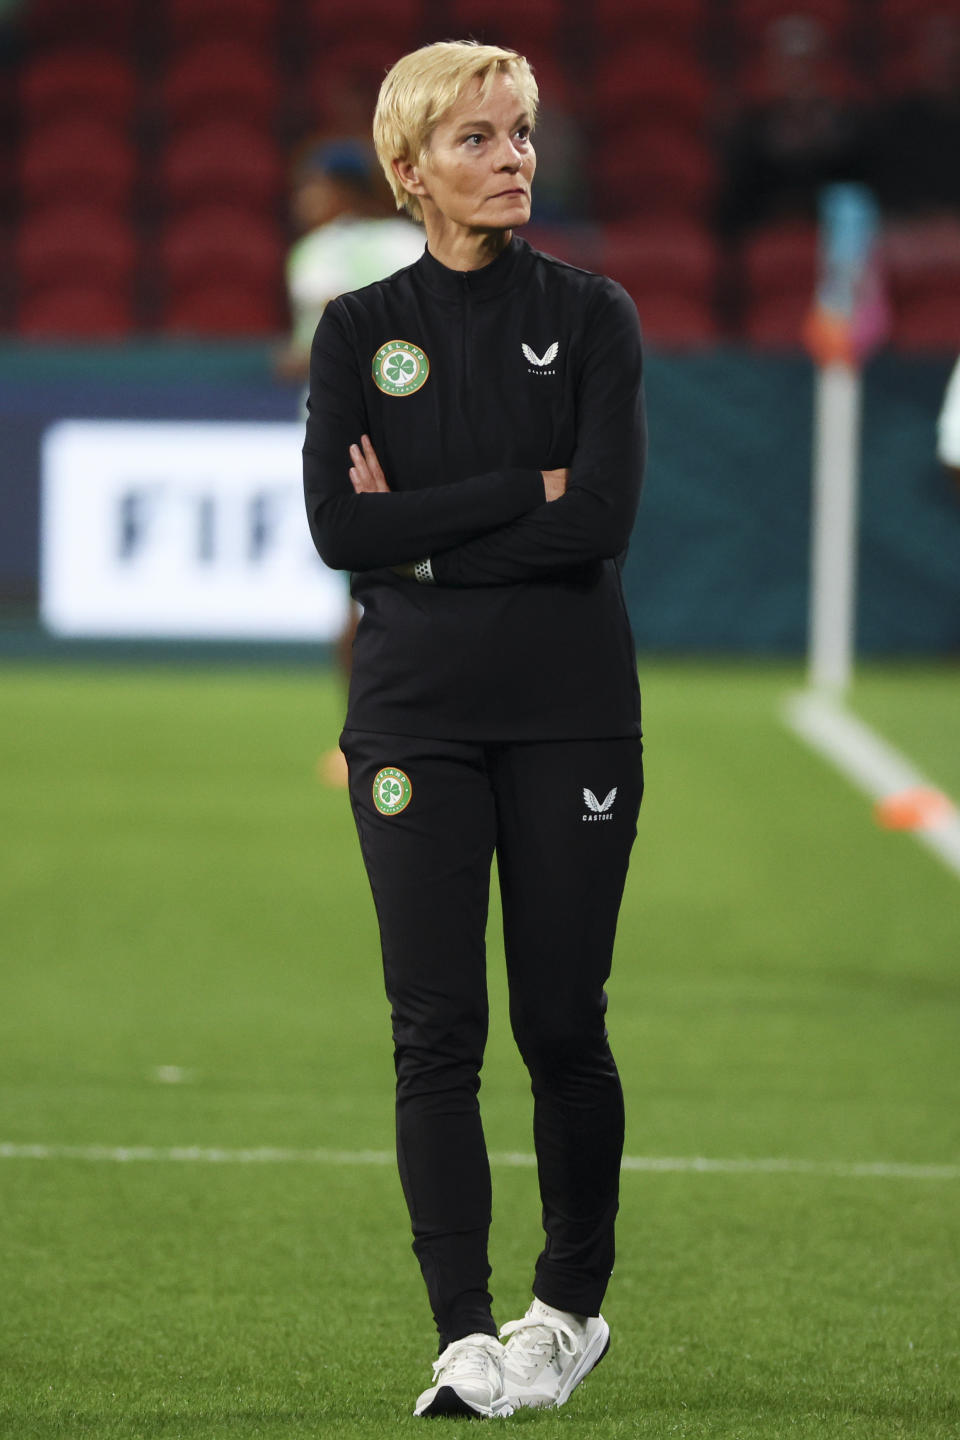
{"x":176,"y":889}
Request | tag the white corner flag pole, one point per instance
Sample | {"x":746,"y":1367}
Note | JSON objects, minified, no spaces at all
{"x":833,"y":527}
{"x":846,"y":322}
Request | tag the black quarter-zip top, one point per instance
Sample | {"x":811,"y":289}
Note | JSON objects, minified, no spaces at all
{"x":470,"y":384}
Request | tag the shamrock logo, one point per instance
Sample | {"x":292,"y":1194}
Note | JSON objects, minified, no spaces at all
{"x":400,"y":367}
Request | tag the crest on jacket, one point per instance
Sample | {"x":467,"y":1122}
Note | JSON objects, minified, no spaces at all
{"x":400,"y":368}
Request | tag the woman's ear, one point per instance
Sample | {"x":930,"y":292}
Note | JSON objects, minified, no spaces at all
{"x":409,"y":176}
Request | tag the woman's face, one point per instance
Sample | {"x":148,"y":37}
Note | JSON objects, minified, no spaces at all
{"x":479,"y":167}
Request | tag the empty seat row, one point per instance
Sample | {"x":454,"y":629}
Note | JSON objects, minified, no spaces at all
{"x":90,"y":310}
{"x":218,"y":270}
{"x":85,"y":242}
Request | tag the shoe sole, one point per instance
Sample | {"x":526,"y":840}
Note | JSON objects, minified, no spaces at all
{"x":448,"y":1402}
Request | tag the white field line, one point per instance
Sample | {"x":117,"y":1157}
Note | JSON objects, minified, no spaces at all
{"x":870,"y":762}
{"x":655,"y":1164}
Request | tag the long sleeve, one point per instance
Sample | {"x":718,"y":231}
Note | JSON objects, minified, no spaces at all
{"x":366,"y":532}
{"x":594,"y":519}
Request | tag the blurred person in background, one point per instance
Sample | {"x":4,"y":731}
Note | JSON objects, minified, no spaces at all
{"x":474,"y":455}
{"x":917,"y":167}
{"x":801,"y":130}
{"x":347,"y":238}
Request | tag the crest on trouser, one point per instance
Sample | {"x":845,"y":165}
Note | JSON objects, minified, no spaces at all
{"x":392,"y":791}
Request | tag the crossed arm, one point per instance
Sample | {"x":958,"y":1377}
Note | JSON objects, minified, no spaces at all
{"x":367,"y":478}
{"x":494,"y":529}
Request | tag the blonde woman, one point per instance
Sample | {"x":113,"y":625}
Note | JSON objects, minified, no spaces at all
{"x":474,"y":455}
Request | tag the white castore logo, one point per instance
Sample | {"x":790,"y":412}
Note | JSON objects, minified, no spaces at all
{"x":599,"y":810}
{"x":541,"y":362}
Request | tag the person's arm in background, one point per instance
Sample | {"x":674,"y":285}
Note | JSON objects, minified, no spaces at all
{"x":367,"y":531}
{"x":594,"y":519}
{"x":948,"y":426}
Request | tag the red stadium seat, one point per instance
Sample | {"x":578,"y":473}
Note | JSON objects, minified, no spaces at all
{"x":78,"y":245}
{"x":899,"y":17}
{"x":677,"y":322}
{"x":778,"y":270}
{"x":396,"y":23}
{"x":918,"y":49}
{"x":342,"y":85}
{"x":929,"y":322}
{"x":220,"y":80}
{"x":222,"y":269}
{"x":653,"y":171}
{"x":552,"y":80}
{"x":781,"y":260}
{"x":775,"y":322}
{"x":111,"y":23}
{"x":579,"y":245}
{"x":222,"y":244}
{"x":662,"y":255}
{"x":923,"y":267}
{"x":223,"y":310}
{"x":652,"y":21}
{"x":193,"y":21}
{"x":77,"y":160}
{"x":663,"y":85}
{"x":924,"y":255}
{"x":670,"y":269}
{"x":76,"y":312}
{"x":100,"y":84}
{"x":227,"y":161}
{"x":534,"y":28}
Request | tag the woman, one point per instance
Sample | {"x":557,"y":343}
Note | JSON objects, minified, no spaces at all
{"x":473,"y":455}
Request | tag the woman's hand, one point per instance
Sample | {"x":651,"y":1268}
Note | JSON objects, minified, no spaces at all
{"x":366,"y":476}
{"x":554,"y":483}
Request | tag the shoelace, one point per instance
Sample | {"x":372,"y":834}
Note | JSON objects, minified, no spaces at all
{"x":534,"y":1339}
{"x":469,"y":1358}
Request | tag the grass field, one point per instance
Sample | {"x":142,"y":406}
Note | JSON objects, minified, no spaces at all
{"x":189,"y":959}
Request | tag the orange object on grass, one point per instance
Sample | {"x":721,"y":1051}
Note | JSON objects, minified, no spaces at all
{"x":917,"y":809}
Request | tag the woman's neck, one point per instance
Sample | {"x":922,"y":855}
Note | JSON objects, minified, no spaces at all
{"x":461,"y":249}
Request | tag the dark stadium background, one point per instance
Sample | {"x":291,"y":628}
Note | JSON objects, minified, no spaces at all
{"x":143,"y":174}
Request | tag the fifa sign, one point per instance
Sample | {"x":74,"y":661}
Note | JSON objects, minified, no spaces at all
{"x":192,"y":530}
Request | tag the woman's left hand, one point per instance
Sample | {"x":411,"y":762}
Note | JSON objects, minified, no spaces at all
{"x":366,"y":476}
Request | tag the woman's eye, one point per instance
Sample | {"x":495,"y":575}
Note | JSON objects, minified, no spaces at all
{"x":474,"y":140}
{"x":523,"y":133}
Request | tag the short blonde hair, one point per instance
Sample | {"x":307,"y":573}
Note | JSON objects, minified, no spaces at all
{"x":420,"y":89}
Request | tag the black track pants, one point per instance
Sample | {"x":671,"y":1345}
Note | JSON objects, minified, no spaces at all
{"x":428,"y":832}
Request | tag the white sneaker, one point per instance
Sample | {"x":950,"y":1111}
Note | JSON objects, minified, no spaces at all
{"x":468,"y":1380}
{"x":549,"y":1352}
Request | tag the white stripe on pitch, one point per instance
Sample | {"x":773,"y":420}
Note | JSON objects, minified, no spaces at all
{"x":656,"y":1164}
{"x":876,"y":767}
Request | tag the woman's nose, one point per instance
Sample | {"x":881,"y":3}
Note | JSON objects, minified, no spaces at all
{"x":509,"y":157}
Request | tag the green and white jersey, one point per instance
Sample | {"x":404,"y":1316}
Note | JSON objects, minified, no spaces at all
{"x":345,"y":255}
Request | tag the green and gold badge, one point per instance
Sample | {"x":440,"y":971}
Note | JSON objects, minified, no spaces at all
{"x":400,"y":368}
{"x":392,"y":791}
